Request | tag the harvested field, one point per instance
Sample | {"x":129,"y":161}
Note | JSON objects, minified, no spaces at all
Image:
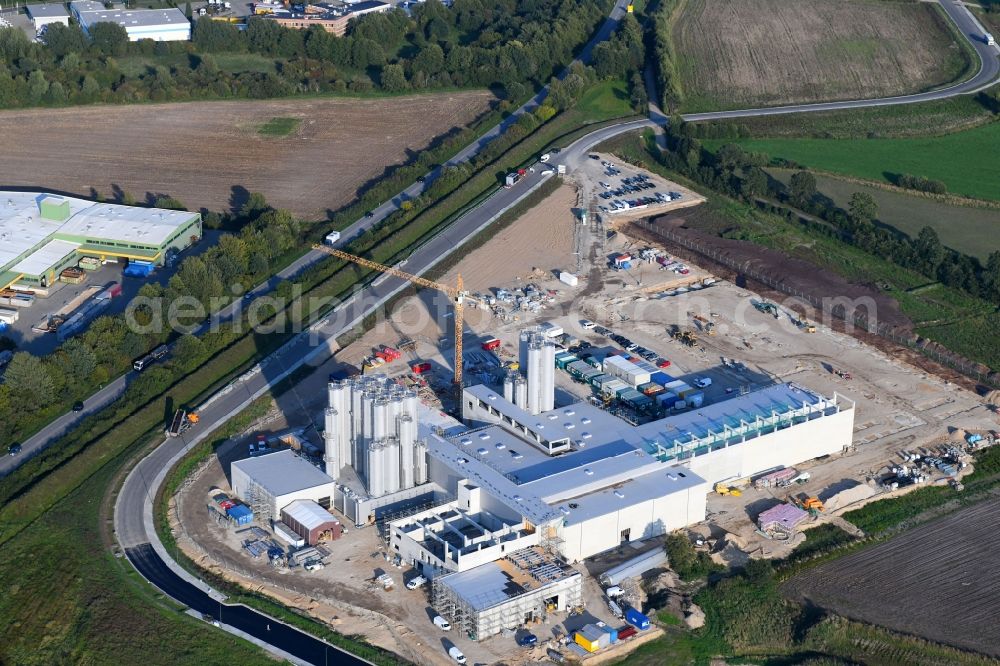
{"x":209,"y":154}
{"x":937,"y":581}
{"x":769,"y":52}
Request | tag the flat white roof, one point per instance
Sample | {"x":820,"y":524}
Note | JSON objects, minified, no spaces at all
{"x":23,"y":229}
{"x":283,"y":472}
{"x":308,"y":514}
{"x":136,"y":18}
{"x":47,"y":11}
{"x":42,"y":260}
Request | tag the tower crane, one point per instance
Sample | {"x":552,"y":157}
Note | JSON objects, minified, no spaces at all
{"x":456,"y":293}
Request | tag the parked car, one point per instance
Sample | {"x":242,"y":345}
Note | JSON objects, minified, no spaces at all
{"x":663,"y":363}
{"x":13,"y":449}
{"x":587,"y":324}
{"x":78,"y":406}
{"x":441,"y":623}
{"x":416,"y":582}
{"x":703,"y":382}
{"x":528,"y":640}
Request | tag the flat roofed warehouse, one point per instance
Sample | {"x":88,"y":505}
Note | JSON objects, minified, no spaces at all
{"x":271,"y":482}
{"x":161,"y":25}
{"x":42,"y":233}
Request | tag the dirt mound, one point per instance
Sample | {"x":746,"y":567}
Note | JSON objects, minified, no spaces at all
{"x":992,"y":398}
{"x":791,"y":274}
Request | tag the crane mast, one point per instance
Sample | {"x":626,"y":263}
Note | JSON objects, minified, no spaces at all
{"x":456,"y":293}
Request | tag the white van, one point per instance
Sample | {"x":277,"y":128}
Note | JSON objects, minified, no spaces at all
{"x":703,"y":382}
{"x":456,"y":654}
{"x":332,"y":237}
{"x":442,"y":623}
{"x":414,"y":583}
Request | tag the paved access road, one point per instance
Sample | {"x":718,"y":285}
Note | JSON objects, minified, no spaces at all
{"x":108,"y":393}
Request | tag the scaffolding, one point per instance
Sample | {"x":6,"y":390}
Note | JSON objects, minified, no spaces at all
{"x":537,"y":584}
{"x":260,"y":502}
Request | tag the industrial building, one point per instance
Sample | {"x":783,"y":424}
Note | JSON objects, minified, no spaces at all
{"x":330,"y":17}
{"x":371,"y":426}
{"x":310,"y":521}
{"x":590,"y":481}
{"x":521,"y":587}
{"x":458,"y":536}
{"x":42,"y":234}
{"x":160,"y":25}
{"x":45,"y":14}
{"x":271,"y":482}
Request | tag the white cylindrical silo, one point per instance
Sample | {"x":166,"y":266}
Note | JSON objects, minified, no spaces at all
{"x":547,"y":373}
{"x":521,"y":392}
{"x":508,"y":387}
{"x":420,"y":463}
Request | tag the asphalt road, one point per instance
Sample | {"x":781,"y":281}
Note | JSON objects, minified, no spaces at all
{"x":108,"y":393}
{"x":298,"y":644}
{"x":988,"y":74}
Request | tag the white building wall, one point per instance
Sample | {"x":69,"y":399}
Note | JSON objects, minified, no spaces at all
{"x":644,"y":519}
{"x":43,"y":21}
{"x":784,"y":448}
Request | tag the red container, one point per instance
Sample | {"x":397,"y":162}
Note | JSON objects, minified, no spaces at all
{"x":227,"y":504}
{"x":491,"y":344}
{"x":626,"y":632}
{"x":420,"y":368}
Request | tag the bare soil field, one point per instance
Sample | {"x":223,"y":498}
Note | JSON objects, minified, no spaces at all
{"x":209,"y":154}
{"x":937,"y":581}
{"x":768,"y":52}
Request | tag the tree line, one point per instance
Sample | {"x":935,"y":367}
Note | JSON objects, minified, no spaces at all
{"x":739,"y":174}
{"x":510,"y":45}
{"x":36,"y":386}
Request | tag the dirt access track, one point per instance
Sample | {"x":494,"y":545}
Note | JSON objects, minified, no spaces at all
{"x":210,"y":154}
{"x":744,"y":53}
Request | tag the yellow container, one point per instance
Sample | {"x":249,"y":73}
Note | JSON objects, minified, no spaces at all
{"x":586,"y":643}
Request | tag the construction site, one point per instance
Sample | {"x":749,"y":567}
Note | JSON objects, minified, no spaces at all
{"x":547,"y":409}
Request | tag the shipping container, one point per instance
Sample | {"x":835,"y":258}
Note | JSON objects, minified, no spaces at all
{"x":695,"y":400}
{"x":667,"y":399}
{"x":661,"y":378}
{"x":563,"y":360}
{"x":90,"y":263}
{"x":420,"y":368}
{"x":568,"y":278}
{"x":227,"y":504}
{"x":636,"y":619}
{"x":627,"y":632}
{"x":242,"y":515}
{"x":491,"y":344}
{"x":650,"y":388}
{"x":8,"y":316}
{"x":587,"y":643}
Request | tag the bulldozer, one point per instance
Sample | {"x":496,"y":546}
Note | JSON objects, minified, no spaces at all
{"x":811,"y":504}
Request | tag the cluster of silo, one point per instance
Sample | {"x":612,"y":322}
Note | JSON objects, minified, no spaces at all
{"x":371,"y":425}
{"x":537,"y":355}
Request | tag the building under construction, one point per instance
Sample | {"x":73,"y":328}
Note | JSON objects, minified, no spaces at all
{"x":517,"y":590}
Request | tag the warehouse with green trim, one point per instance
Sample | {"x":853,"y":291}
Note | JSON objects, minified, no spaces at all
{"x":41,"y":234}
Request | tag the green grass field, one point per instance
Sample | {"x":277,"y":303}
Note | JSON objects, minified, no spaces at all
{"x":972,"y":231}
{"x":605,"y":100}
{"x":67,"y":600}
{"x":281,"y":126}
{"x":967,"y":162}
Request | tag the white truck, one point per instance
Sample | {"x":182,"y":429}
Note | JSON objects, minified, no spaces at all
{"x":988,"y":38}
{"x":332,"y":237}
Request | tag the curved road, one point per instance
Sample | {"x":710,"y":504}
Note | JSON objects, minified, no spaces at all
{"x":133,"y":510}
{"x":963,"y":19}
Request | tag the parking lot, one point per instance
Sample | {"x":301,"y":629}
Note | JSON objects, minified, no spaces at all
{"x":622,"y":191}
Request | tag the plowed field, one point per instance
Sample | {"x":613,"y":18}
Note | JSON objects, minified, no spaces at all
{"x":209,"y":154}
{"x":937,"y":581}
{"x":742,"y":53}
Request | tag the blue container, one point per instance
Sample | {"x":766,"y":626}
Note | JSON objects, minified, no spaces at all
{"x":636,"y":619}
{"x":661,"y":378}
{"x":241,"y":514}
